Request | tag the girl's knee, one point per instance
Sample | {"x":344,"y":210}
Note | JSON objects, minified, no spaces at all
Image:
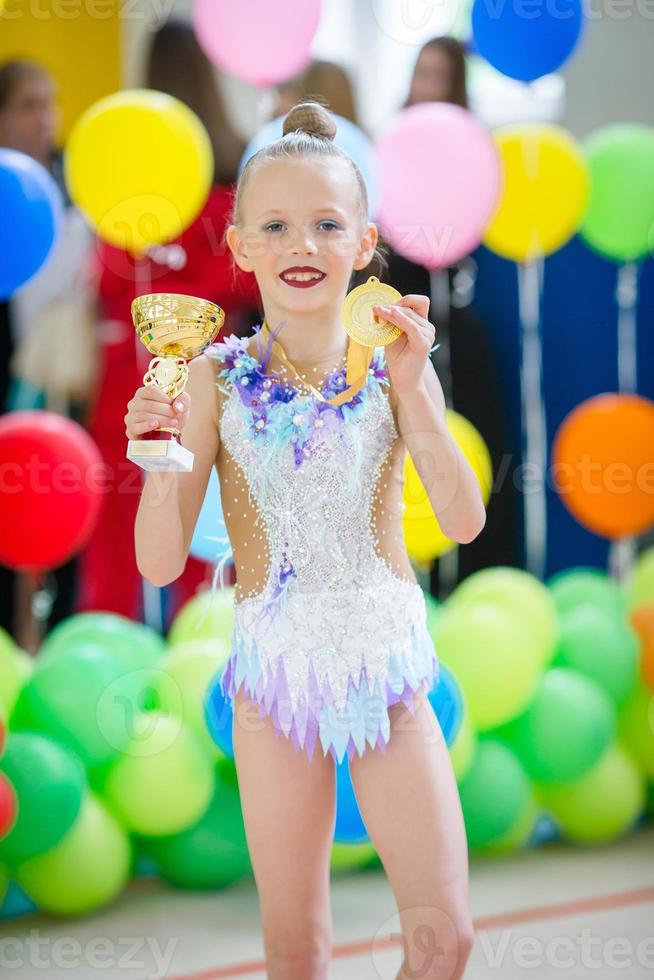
{"x":303,"y":955}
{"x":436,"y":944}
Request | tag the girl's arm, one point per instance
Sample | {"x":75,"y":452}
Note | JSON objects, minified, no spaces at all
{"x":171,"y":501}
{"x":446,"y":475}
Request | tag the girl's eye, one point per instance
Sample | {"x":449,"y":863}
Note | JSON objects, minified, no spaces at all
{"x":334,"y":225}
{"x":269,"y":226}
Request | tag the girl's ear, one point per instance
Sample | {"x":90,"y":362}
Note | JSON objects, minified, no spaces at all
{"x":235,"y":245}
{"x":367,"y":247}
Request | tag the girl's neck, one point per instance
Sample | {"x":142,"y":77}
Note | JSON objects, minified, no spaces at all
{"x":309,"y":340}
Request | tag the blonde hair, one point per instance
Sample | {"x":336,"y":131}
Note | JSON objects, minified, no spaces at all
{"x":309,"y":129}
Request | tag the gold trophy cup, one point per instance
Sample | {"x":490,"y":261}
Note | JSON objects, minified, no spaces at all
{"x":175,"y":328}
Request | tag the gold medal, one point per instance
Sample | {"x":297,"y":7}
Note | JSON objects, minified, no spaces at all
{"x":358,"y":319}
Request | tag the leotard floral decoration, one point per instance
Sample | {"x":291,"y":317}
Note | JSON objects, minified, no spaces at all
{"x":279,"y":414}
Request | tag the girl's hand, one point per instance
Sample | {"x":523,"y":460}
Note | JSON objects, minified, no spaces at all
{"x":407,"y":355}
{"x":151,"y":407}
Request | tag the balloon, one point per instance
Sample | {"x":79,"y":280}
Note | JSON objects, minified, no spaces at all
{"x":49,"y":782}
{"x":525,"y":46}
{"x":494,"y":793}
{"x":603,"y":803}
{"x":85,"y":699}
{"x":491,"y":655}
{"x":636,"y":728}
{"x":533,"y":218}
{"x":445,"y":698}
{"x":619,"y":221}
{"x":15,"y":667}
{"x":349,"y":137}
{"x":8,"y":807}
{"x":163,"y":781}
{"x":213,"y":852}
{"x":599,"y":456}
{"x":568,"y":724}
{"x":32,"y":213}
{"x":351,"y":857}
{"x":84,"y":871}
{"x":205,"y":617}
{"x":523,"y":595}
{"x":422,"y":535}
{"x":602,"y":646}
{"x":181,"y":685}
{"x":138,"y":644}
{"x":206,"y":543}
{"x":139,"y":164}
{"x":219,"y":716}
{"x":642,"y":620}
{"x":640,"y":585}
{"x":349,"y":827}
{"x":257,"y":41}
{"x":576,"y":587}
{"x":438,"y":215}
{"x":50,"y":502}
{"x":463,"y":748}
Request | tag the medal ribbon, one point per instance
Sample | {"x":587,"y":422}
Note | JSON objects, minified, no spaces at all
{"x":358,"y":361}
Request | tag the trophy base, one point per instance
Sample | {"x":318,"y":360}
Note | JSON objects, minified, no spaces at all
{"x":160,"y":454}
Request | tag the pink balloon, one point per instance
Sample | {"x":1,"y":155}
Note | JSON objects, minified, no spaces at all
{"x":439,"y":183}
{"x":260,"y":41}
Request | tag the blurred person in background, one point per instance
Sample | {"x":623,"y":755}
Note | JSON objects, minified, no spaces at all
{"x":197,"y":264}
{"x":48,"y":356}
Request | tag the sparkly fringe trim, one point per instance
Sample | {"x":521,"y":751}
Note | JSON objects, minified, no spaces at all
{"x":365,"y":718}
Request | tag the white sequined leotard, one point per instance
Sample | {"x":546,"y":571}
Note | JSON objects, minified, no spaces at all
{"x":330,"y":625}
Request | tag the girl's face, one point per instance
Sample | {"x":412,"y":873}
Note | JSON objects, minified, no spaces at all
{"x":302,"y":214}
{"x":432,"y":77}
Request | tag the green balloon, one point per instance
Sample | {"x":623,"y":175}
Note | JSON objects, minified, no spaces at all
{"x":566,"y":728}
{"x":490,"y":651}
{"x":603,"y":803}
{"x":49,"y":782}
{"x":494,"y":793}
{"x":205,"y":617}
{"x":351,"y":857}
{"x":163,"y":781}
{"x":15,"y":668}
{"x":212,"y":853}
{"x":575,"y":587}
{"x":434,"y":610}
{"x":181,"y":685}
{"x":463,"y":748}
{"x":602,"y":646}
{"x":640,"y":586}
{"x":522,"y":595}
{"x":137,"y":644}
{"x":4,"y":884}
{"x":518,"y":835}
{"x":86,"y":870}
{"x":636,"y":727}
{"x":85,"y":699}
{"x":620,"y":216}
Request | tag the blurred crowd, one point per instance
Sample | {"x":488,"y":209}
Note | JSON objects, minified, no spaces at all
{"x":69,"y":345}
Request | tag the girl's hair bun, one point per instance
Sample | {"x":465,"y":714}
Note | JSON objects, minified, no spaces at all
{"x":310,"y":117}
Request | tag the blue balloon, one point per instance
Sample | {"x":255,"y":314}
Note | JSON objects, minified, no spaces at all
{"x":32,"y":210}
{"x":445,"y":698}
{"x":526,"y":47}
{"x":349,"y":828}
{"x":210,"y":541}
{"x":218,"y":715}
{"x":349,"y":137}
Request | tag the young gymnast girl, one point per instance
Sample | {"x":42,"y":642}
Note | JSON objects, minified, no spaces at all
{"x":330,"y":647}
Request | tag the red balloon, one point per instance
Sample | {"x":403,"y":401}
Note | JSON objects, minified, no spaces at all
{"x":51,"y":478}
{"x":8,"y":807}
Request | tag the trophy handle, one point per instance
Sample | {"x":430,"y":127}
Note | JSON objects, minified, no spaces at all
{"x":161,"y":449}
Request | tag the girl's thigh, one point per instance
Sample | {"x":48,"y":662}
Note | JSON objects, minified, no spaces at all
{"x":289,"y":807}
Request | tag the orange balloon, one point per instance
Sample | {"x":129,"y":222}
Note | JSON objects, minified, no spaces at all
{"x":603,"y":464}
{"x":642,"y":620}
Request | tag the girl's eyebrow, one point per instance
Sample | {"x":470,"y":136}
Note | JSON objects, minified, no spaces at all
{"x":330,"y":209}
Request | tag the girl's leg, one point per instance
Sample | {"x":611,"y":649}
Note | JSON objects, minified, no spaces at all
{"x":410,"y":803}
{"x":289,"y":807}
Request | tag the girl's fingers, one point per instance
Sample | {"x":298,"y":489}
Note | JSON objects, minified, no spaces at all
{"x":416,"y":335}
{"x":154,"y":408}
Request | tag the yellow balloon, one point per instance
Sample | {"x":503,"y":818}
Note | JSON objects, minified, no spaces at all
{"x":422,"y":534}
{"x":546,"y":191}
{"x":139,"y":165}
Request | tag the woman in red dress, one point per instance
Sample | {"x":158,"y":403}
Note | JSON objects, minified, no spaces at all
{"x":196,"y":263}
